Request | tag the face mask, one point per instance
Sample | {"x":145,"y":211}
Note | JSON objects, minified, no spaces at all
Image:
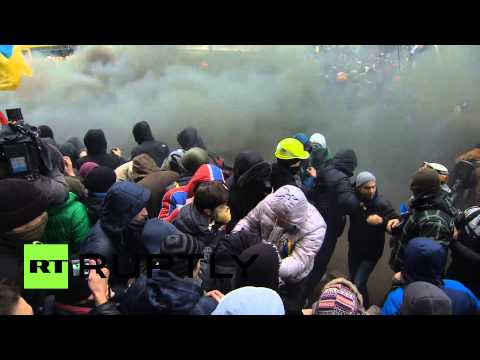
{"x":222,"y":214}
{"x":294,"y":170}
{"x":32,"y":232}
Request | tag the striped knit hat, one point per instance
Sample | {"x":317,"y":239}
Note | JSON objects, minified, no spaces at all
{"x":339,"y":297}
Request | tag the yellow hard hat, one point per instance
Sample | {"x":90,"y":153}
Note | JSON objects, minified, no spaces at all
{"x":291,"y":148}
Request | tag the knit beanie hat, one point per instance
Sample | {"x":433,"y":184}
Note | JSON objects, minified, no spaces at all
{"x":302,"y":138}
{"x":21,"y":202}
{"x":339,"y":297}
{"x":363,"y":178}
{"x":100,"y":179}
{"x":318,"y":138}
{"x":86,"y":168}
{"x":263,"y":272}
{"x":161,"y":237}
{"x":422,"y":298}
{"x":425,"y":182}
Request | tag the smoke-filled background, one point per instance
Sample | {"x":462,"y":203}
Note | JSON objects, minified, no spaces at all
{"x":250,"y":100}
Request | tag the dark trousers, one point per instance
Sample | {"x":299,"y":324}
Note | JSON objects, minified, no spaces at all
{"x":321,"y":262}
{"x":360,"y":269}
{"x":293,"y":297}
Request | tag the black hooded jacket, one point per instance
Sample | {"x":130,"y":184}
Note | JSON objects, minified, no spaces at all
{"x":249,"y":184}
{"x":96,"y":144}
{"x":113,"y":235}
{"x":366,"y":240}
{"x":166,"y":294}
{"x":465,"y":265}
{"x":282,"y":174}
{"x":334,"y":196}
{"x":189,"y":138}
{"x":72,"y":148}
{"x":158,"y":151}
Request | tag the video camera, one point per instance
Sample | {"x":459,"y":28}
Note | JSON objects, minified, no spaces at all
{"x":20,"y":148}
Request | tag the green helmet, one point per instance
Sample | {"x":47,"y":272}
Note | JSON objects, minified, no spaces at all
{"x":291,"y":148}
{"x":194,"y":158}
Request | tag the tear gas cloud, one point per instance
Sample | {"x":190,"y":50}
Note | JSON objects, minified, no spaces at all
{"x":250,"y":100}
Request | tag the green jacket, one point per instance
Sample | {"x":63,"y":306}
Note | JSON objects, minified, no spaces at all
{"x":431,"y":217}
{"x":67,"y":223}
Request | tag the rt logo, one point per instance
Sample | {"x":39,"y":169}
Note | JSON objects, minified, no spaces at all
{"x":45,"y":266}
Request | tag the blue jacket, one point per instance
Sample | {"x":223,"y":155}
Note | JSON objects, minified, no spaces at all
{"x":166,"y":294}
{"x":113,"y":234}
{"x":424,"y":261}
{"x":464,"y":302}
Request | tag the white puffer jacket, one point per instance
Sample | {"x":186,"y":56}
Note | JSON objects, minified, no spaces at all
{"x":288,"y":203}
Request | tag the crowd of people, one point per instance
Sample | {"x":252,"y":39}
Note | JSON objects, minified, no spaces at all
{"x":252,"y":239}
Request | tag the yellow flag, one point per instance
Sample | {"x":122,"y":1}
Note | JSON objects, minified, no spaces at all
{"x":12,"y":69}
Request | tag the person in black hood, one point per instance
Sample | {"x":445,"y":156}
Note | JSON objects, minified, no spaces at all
{"x":46,"y":134}
{"x":157,"y":150}
{"x":263,"y":272}
{"x":249,"y":184}
{"x":96,"y":144}
{"x":117,"y":233}
{"x":45,"y":131}
{"x":72,"y":148}
{"x":68,"y":149}
{"x":189,"y":138}
{"x":97,"y":183}
{"x":334,"y":197}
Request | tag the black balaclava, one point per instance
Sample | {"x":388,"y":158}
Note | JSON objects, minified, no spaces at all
{"x":189,"y":138}
{"x":287,"y":164}
{"x":142,"y":132}
{"x":95,"y":142}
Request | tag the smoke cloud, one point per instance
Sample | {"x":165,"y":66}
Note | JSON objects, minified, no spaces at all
{"x":250,"y":100}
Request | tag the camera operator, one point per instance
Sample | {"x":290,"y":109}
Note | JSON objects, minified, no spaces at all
{"x":23,"y":154}
{"x":465,"y":247}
